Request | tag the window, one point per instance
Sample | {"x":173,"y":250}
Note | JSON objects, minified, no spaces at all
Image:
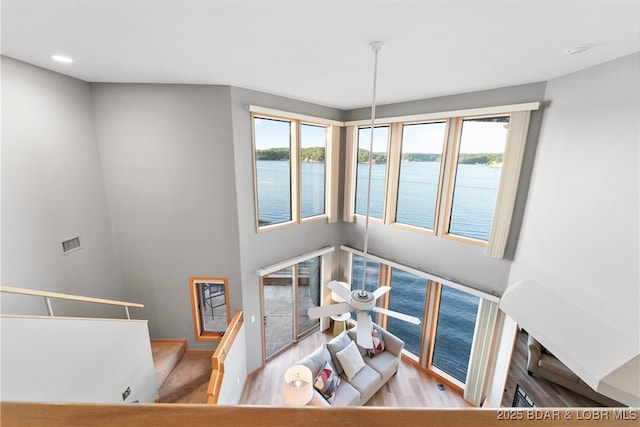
{"x":441,"y":175}
{"x":273,"y":170}
{"x":313,"y":142}
{"x":378,"y":170}
{"x":449,"y":313}
{"x":408,"y":295}
{"x":293,"y":173}
{"x":477,"y":176}
{"x":420,"y":171}
{"x":457,"y":312}
{"x":210,"y":307}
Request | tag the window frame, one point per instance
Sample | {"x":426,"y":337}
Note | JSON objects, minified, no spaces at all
{"x":200,"y":332}
{"x":332,"y":139}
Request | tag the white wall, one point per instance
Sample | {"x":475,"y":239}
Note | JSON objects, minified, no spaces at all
{"x":76,"y":360}
{"x":468,"y":264}
{"x":580,"y":235}
{"x":52,"y":189}
{"x":235,"y":371}
{"x":167,"y":156}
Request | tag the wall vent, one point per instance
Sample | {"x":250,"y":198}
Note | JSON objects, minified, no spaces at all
{"x":70,"y":245}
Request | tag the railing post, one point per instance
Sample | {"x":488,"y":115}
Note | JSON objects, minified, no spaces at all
{"x":47,"y":301}
{"x":126,"y":308}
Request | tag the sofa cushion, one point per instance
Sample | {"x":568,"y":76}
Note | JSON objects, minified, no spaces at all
{"x":351,"y":360}
{"x":366,"y":379}
{"x":378,"y":342}
{"x":347,"y":395}
{"x":386,"y":364}
{"x":334,"y":346}
{"x":315,"y":360}
{"x":327,"y":381}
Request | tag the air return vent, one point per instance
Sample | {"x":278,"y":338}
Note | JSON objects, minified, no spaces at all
{"x":70,"y":245}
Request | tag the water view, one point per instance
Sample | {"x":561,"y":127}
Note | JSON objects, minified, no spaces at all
{"x":471,"y":216}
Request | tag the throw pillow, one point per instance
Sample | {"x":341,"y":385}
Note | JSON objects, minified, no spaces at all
{"x":351,"y":360}
{"x":378,"y":342}
{"x":337,"y":344}
{"x":327,"y":381}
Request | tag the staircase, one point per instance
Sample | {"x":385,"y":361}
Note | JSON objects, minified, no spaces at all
{"x":183,"y":375}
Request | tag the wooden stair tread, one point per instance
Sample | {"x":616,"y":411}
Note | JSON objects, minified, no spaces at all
{"x":166,"y":355}
{"x":192,"y":371}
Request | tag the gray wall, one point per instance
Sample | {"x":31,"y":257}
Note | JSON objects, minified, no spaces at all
{"x":167,"y":155}
{"x":270,"y":247}
{"x":52,"y":189}
{"x":468,"y":264}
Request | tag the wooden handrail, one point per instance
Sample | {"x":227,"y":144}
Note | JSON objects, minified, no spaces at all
{"x":56,"y":295}
{"x":48,"y":295}
{"x":18,"y":414}
{"x":220,"y":355}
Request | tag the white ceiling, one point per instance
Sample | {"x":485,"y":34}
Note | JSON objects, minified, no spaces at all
{"x":318,"y":51}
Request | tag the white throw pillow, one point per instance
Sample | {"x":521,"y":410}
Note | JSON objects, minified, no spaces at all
{"x":351,"y":360}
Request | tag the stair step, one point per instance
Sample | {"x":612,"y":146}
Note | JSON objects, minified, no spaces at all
{"x":166,"y":355}
{"x":191,"y":373}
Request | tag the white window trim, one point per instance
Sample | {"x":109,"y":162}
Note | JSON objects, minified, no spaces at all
{"x":426,"y":275}
{"x":498,"y":109}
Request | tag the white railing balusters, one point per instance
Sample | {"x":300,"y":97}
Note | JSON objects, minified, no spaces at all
{"x":47,"y":301}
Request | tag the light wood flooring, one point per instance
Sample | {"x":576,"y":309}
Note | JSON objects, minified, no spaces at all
{"x":543,"y":393}
{"x":410,"y":387}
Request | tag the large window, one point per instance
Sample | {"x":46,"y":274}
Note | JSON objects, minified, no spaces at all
{"x":478,"y":167}
{"x":273,"y":170}
{"x":442,"y":176}
{"x":378,"y":170}
{"x":419,"y":176}
{"x":454,"y":332}
{"x":291,"y":169}
{"x":408,"y":296}
{"x":442,"y":342}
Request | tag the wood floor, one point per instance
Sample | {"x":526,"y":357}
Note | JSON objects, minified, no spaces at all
{"x":543,"y":393}
{"x":410,"y":387}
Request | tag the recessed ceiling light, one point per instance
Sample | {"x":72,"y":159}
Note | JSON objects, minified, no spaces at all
{"x":62,"y":58}
{"x":576,"y":50}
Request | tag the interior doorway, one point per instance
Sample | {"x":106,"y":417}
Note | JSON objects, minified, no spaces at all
{"x":287,"y":294}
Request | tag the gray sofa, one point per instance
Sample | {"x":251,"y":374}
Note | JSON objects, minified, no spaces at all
{"x":545,"y":365}
{"x":376,"y":372}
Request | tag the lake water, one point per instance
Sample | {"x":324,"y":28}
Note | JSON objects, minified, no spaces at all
{"x":472,"y":214}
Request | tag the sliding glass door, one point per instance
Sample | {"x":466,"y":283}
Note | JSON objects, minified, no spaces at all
{"x":287,"y":294}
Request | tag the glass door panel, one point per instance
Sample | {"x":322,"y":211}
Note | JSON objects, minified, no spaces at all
{"x":308,"y":293}
{"x":278,"y":320}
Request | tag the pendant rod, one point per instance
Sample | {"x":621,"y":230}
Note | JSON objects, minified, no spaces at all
{"x":376,"y":47}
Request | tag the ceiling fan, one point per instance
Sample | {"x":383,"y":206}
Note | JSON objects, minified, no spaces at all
{"x":362,"y":300}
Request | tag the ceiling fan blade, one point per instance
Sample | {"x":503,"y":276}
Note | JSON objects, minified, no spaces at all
{"x":381,"y":291}
{"x":364,"y":330}
{"x":340,"y":288}
{"x":397,"y":315}
{"x":328,"y":310}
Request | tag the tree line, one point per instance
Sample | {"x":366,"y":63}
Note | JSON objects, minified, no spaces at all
{"x":309,"y":154}
{"x":317,"y":154}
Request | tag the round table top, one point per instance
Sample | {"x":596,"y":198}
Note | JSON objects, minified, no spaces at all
{"x":341,"y":317}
